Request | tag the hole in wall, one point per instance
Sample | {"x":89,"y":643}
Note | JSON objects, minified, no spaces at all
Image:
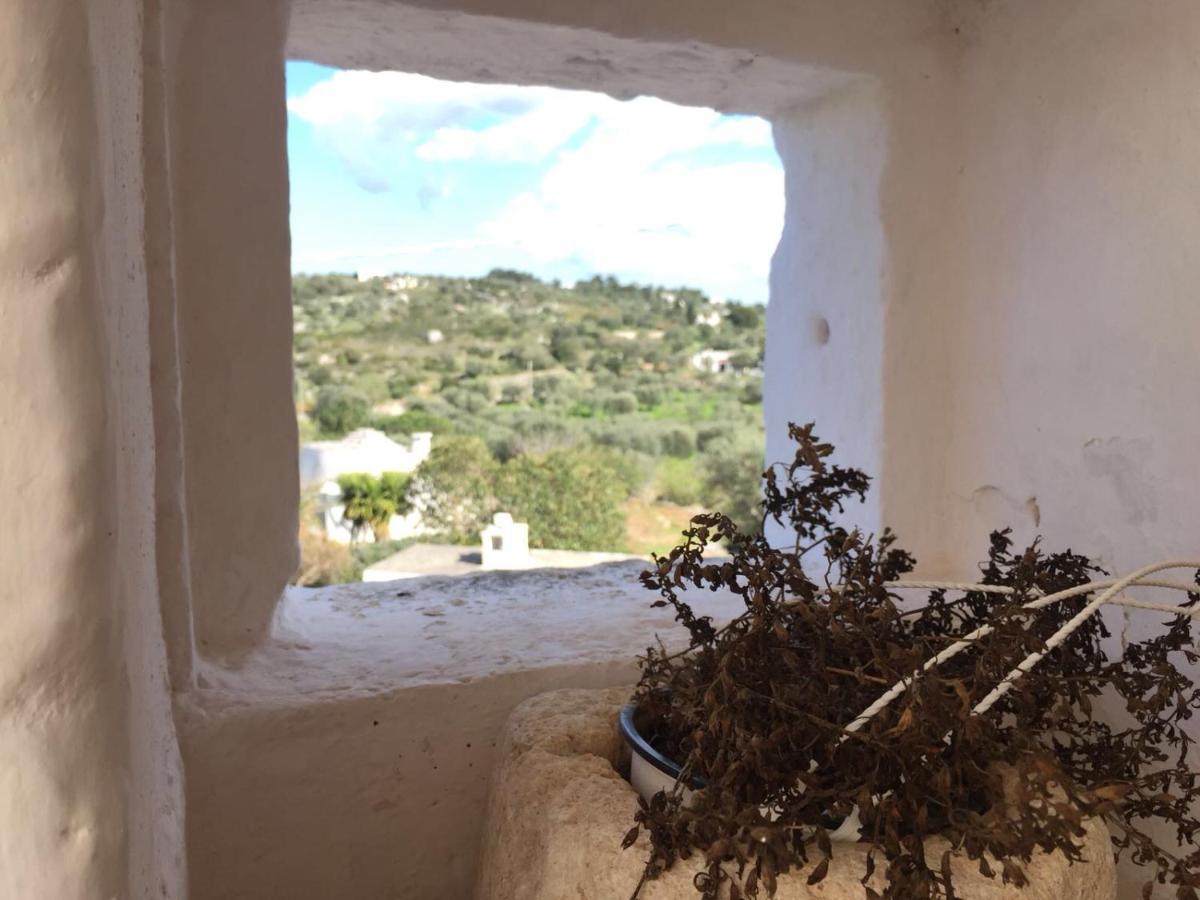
{"x":820,"y":331}
{"x":549,"y":273}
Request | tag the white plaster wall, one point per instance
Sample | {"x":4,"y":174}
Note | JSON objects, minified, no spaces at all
{"x":156,"y":855}
{"x":747,"y":58}
{"x":825,"y":319}
{"x":170,"y":512}
{"x":1075,"y":341}
{"x":996,"y":175}
{"x":229,"y":192}
{"x":990,"y":207}
{"x":624,"y":53}
{"x":1038,"y":323}
{"x":90,"y":786}
{"x":349,"y":757}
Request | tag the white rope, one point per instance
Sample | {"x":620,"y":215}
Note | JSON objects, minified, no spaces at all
{"x":1066,"y":631}
{"x":1190,"y":587}
{"x":1110,"y":587}
{"x":1187,"y":587}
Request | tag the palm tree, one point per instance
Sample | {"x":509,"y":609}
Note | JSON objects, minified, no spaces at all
{"x":371,"y":502}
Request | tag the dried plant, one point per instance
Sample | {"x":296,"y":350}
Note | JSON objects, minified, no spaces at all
{"x":759,"y":709}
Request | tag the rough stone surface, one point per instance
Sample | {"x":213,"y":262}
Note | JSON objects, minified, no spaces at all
{"x":372,"y":714}
{"x":597,"y":55}
{"x":559,"y":809}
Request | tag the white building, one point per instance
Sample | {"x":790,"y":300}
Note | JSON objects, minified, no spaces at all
{"x":401,"y":283}
{"x":371,"y":452}
{"x":364,"y":450}
{"x":505,"y":544}
{"x":331,"y":515}
{"x":713,"y":361}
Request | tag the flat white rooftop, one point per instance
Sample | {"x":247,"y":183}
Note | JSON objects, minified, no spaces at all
{"x":453,"y":559}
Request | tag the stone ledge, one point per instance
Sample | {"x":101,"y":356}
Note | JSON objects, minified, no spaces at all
{"x":373,"y":712}
{"x":558,"y":810}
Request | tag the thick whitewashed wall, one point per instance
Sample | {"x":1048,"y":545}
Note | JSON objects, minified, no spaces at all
{"x":1006,"y":238}
{"x":626,"y":48}
{"x":982,"y":294}
{"x":227,"y":159}
{"x":1074,"y":341}
{"x":825,"y":321}
{"x":90,"y":780}
{"x":1074,"y":338}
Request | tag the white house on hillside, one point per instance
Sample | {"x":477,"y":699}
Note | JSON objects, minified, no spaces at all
{"x":364,"y":450}
{"x":713,"y":361}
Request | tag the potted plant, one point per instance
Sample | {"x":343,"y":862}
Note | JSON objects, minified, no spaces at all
{"x":838,"y":705}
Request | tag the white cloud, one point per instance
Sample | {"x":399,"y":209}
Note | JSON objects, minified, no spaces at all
{"x":640,"y":188}
{"x":408,"y":107}
{"x":634,"y":198}
{"x":530,"y":137}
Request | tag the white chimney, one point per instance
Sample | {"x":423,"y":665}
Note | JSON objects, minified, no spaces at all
{"x":505,"y":544}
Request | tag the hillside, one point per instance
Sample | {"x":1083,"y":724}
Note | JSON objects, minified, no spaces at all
{"x":531,"y":367}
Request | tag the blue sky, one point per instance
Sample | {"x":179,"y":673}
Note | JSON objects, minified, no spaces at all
{"x":393,"y":172}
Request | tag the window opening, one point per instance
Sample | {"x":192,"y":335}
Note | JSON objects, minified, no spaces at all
{"x":527,"y":320}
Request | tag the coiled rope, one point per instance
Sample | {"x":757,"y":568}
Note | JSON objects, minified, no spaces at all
{"x":1109,"y":594}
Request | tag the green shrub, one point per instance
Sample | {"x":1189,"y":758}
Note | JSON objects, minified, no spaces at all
{"x":707,"y":435}
{"x":523,"y":358}
{"x":629,"y":434}
{"x":731,"y":471}
{"x":677,"y":481}
{"x":742,"y":316}
{"x":648,"y":395}
{"x":509,"y":275}
{"x":373,"y":386}
{"x":619,"y":404}
{"x":752,"y":392}
{"x":634,"y":470}
{"x":340,"y":410}
{"x":566,"y":346}
{"x":399,"y":385}
{"x":454,"y":487}
{"x":745,"y":359}
{"x":571,"y":499}
{"x":548,"y":388}
{"x":464,"y":398}
{"x":411,"y":422}
{"x":678,"y":441}
{"x":538,"y":431}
